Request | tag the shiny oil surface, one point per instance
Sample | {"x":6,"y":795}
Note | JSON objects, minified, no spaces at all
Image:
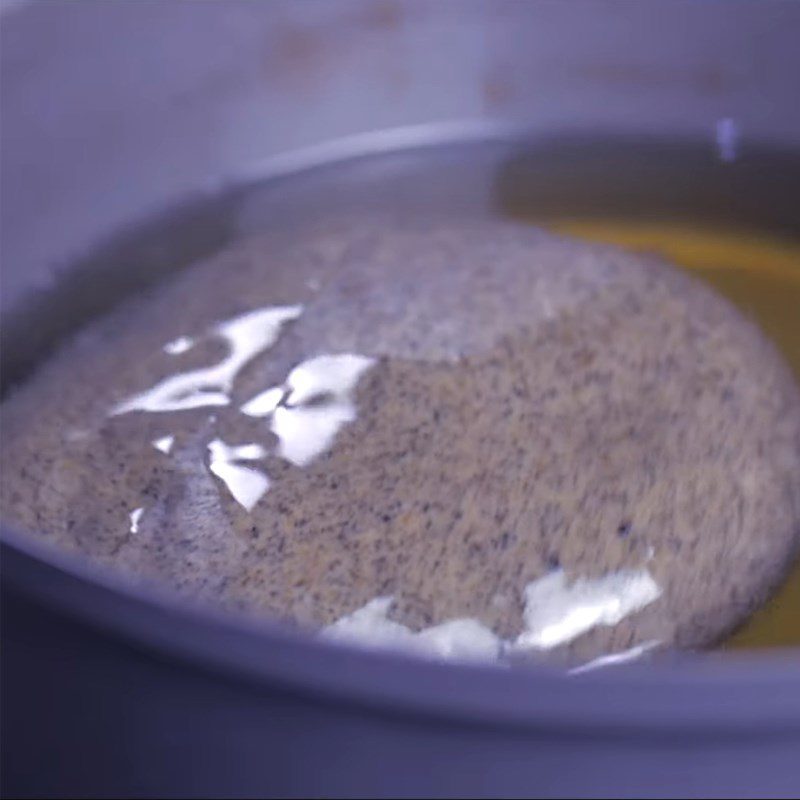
{"x":726,"y":216}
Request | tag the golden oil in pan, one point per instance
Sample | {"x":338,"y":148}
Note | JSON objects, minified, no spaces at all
{"x":761,"y":274}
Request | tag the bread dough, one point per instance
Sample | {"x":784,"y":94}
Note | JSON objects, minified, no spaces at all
{"x":517,"y":404}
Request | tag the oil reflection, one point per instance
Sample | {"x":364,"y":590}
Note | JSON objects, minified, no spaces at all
{"x":135,"y":516}
{"x":555,"y":614}
{"x":317,"y":405}
{"x":617,"y":659}
{"x":179,"y":345}
{"x":457,"y":639}
{"x":311,"y":407}
{"x":246,"y":485}
{"x":246,"y":336}
{"x":163,"y":444}
{"x":305,"y":413}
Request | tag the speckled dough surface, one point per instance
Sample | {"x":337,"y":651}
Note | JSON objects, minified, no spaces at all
{"x":532,"y":403}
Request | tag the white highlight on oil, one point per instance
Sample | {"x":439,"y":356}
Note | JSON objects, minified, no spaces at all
{"x":615,"y":659}
{"x":555,"y":614}
{"x":312,"y":406}
{"x":163,"y":444}
{"x":247,"y":335}
{"x":179,"y":345}
{"x":263,"y":404}
{"x":247,"y":485}
{"x":458,"y":639}
{"x":306,"y":413}
{"x":135,"y":516}
{"x":306,"y":429}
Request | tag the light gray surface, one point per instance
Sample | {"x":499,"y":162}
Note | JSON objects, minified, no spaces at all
{"x":113,"y":110}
